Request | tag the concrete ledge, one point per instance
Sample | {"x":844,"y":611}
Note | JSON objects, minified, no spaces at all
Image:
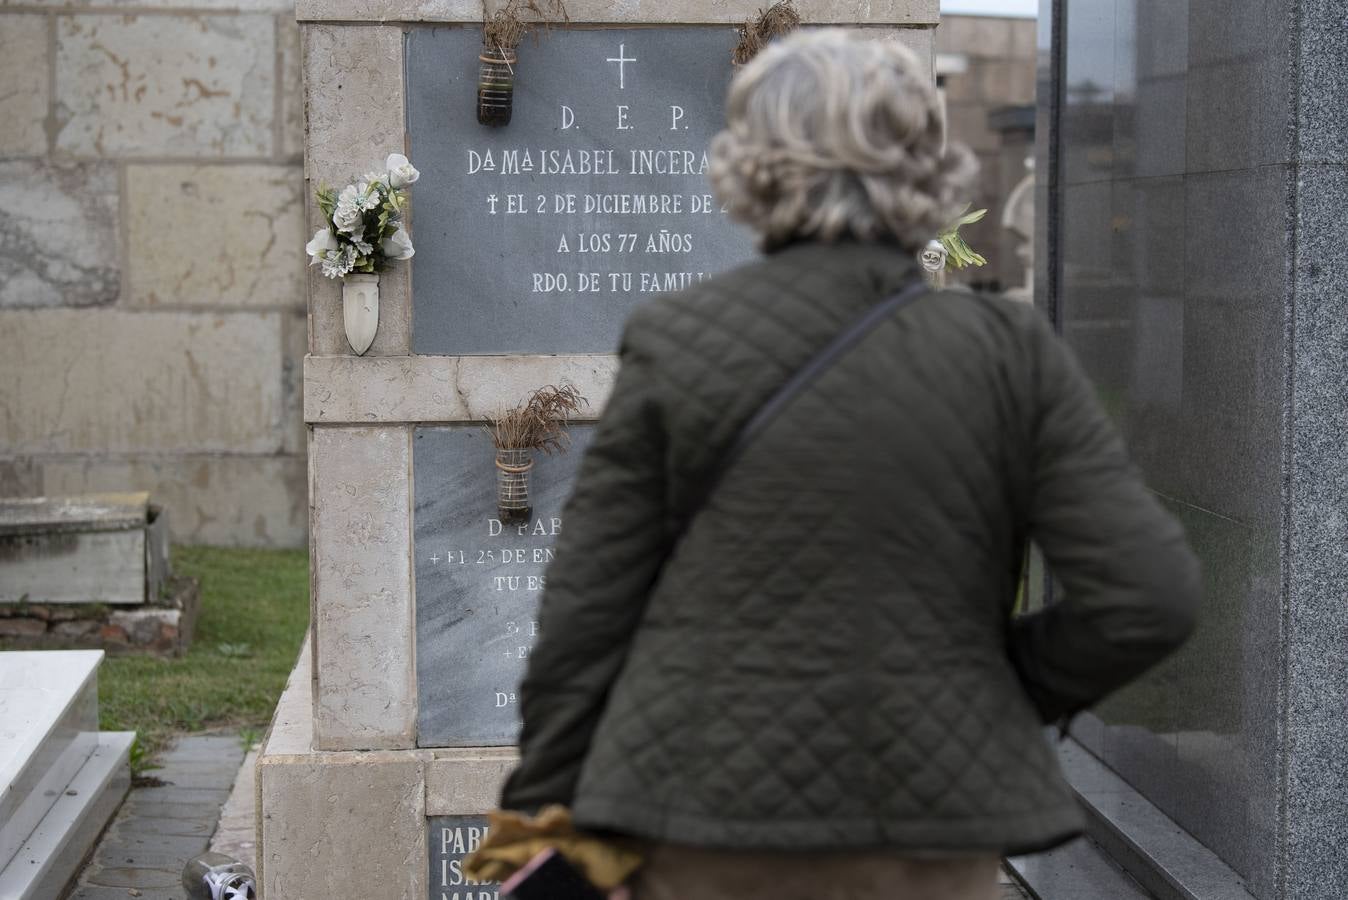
{"x":637,"y":12}
{"x":1157,"y":853}
{"x":53,"y":855}
{"x":467,"y":782}
{"x":1076,"y":871}
{"x":400,"y":389}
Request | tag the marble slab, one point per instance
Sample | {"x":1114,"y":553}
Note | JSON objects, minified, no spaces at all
{"x":478,"y":583}
{"x":57,"y":849}
{"x":449,"y":839}
{"x":48,"y":731}
{"x":540,"y":236}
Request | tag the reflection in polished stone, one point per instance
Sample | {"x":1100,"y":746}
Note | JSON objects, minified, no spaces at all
{"x":1171,"y":287}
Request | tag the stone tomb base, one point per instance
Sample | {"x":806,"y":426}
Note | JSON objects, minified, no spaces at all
{"x":162,"y":628}
{"x":319,"y":810}
{"x":91,"y":572}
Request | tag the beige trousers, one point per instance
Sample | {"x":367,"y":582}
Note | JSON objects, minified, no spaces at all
{"x":683,"y":873}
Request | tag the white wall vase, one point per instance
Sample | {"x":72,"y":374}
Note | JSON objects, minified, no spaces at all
{"x":360,"y":310}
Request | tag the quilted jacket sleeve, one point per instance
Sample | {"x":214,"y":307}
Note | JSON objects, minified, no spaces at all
{"x":1130,"y":581}
{"x":613,"y":544}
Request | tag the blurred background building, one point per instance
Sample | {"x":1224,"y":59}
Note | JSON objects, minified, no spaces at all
{"x":985,"y":65}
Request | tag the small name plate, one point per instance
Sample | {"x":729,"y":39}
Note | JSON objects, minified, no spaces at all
{"x":450,"y":839}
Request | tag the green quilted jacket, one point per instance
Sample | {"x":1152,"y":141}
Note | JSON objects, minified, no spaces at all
{"x":828,"y":658}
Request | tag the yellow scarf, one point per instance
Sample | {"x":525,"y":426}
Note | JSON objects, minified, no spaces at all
{"x":513,"y":839}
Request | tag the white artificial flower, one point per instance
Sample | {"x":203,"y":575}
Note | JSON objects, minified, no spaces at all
{"x":400,"y":171}
{"x":398,"y":245}
{"x":367,"y":195}
{"x":934,"y":256}
{"x":363,"y":247}
{"x":339,"y":263}
{"x":347,"y":216}
{"x":320,"y":246}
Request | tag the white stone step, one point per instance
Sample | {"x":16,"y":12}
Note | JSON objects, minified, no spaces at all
{"x":53,"y":854}
{"x":48,"y":731}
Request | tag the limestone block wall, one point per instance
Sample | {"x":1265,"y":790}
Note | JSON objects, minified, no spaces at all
{"x":152,"y":284}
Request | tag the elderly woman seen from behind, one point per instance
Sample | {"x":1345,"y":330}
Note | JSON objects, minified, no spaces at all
{"x":807,"y":682}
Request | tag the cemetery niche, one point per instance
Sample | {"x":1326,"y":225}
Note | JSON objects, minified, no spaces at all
{"x":478,"y":582}
{"x":535,"y":239}
{"x":541,"y":236}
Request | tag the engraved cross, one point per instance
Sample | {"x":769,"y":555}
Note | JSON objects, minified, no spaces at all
{"x":622,"y":60}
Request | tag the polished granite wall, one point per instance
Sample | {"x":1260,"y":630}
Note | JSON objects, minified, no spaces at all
{"x":1199,"y":266}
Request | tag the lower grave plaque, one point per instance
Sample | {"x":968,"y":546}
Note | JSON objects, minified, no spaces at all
{"x":478,"y":582}
{"x":449,"y":840}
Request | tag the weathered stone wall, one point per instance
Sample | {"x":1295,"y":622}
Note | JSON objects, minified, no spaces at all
{"x":151,"y":269}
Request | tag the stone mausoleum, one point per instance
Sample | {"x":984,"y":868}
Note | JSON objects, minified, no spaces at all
{"x":1194,"y":171}
{"x":534,"y":240}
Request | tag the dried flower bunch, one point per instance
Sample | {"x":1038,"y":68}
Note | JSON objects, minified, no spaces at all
{"x":365,"y":222}
{"x":778,"y":19}
{"x":540,"y":422}
{"x":504,"y":29}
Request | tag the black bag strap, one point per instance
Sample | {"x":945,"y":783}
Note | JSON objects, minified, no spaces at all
{"x":813,"y":368}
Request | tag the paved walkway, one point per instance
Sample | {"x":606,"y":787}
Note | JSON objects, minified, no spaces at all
{"x":207,"y":781}
{"x":160,"y":828}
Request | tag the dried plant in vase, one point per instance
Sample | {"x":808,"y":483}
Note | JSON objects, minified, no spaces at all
{"x":778,"y":19}
{"x":502,"y":32}
{"x":539,"y":423}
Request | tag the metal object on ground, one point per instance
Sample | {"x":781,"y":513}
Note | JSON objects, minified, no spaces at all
{"x":214,"y":876}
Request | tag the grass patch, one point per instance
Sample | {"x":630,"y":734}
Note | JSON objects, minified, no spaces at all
{"x":254,"y":613}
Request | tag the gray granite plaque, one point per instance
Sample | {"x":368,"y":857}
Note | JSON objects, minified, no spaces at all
{"x":539,"y":237}
{"x":449,"y":839}
{"x":478,"y":583}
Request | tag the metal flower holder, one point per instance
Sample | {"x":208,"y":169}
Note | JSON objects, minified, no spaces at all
{"x":495,"y":86}
{"x":512,"y":485}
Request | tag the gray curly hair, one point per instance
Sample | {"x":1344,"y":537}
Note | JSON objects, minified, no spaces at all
{"x":829,"y":136}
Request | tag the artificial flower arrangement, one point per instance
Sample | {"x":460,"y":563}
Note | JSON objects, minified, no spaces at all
{"x":948,"y":250}
{"x":365,"y":231}
{"x":365,"y":222}
{"x":961,"y":254}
